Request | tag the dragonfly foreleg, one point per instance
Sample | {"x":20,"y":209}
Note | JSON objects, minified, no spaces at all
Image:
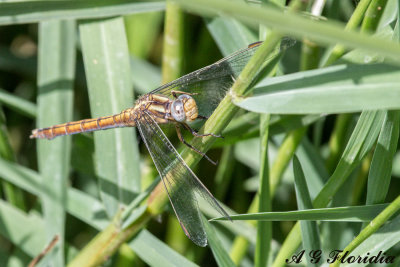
{"x":180,"y":136}
{"x":175,"y":93}
{"x":197,"y":134}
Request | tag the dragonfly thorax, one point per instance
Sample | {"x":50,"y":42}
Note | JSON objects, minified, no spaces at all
{"x":184,"y":108}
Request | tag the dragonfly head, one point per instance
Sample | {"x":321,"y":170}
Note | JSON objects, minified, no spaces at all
{"x":184,"y":108}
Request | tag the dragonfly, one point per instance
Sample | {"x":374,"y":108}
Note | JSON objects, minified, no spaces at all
{"x":192,"y":97}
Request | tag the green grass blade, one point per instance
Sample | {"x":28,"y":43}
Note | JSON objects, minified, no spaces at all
{"x":27,"y":232}
{"x":264,"y":229}
{"x":372,"y":227}
{"x":313,"y":166}
{"x":230,"y":34}
{"x":382,"y":240}
{"x":106,"y":58}
{"x":55,"y":80}
{"x":338,"y":89}
{"x":345,"y":214}
{"x":146,"y":76}
{"x":361,"y":141}
{"x":381,"y":165}
{"x":17,"y":104}
{"x":12,"y":194}
{"x":172,"y":60}
{"x":17,"y":12}
{"x":156,"y":253}
{"x":309,"y":230}
{"x":79,"y":204}
{"x":141,"y":33}
{"x":219,"y":252}
{"x":296,"y":25}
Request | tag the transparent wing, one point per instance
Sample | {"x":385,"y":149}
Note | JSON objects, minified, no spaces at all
{"x":211,"y":83}
{"x":179,"y":180}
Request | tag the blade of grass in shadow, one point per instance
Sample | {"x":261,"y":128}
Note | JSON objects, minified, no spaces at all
{"x":244,"y":127}
{"x":309,"y":230}
{"x":223,"y":176}
{"x":36,"y":11}
{"x":381,"y":166}
{"x":338,"y":140}
{"x":55,"y":81}
{"x":221,"y":256}
{"x":361,"y":141}
{"x":11,"y":193}
{"x":106,"y":57}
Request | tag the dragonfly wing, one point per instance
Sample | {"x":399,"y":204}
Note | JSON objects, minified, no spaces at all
{"x":178,"y":179}
{"x":211,"y":83}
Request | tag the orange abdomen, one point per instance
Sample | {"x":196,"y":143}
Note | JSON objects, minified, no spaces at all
{"x":118,"y":120}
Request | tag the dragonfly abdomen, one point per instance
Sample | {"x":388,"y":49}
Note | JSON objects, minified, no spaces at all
{"x":124,"y":119}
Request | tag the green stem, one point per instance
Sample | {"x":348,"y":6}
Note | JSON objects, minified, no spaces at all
{"x":337,"y":140}
{"x":352,"y":24}
{"x":105,"y":244}
{"x":173,"y":43}
{"x":373,"y":15}
{"x":12,"y":193}
{"x":264,"y":229}
{"x":372,"y":227}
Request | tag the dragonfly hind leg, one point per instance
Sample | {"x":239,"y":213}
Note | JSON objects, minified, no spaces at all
{"x":200,"y":135}
{"x":180,"y":136}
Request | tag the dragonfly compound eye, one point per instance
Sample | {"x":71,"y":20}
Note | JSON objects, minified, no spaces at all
{"x":189,"y":107}
{"x":177,"y":110}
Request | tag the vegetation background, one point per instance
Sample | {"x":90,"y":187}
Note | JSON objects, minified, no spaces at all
{"x":327,"y":135}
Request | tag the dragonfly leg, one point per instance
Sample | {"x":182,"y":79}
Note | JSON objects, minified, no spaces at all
{"x":199,"y":135}
{"x":202,"y":117}
{"x":180,"y":136}
{"x":175,"y":93}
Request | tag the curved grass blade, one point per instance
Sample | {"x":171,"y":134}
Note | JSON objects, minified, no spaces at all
{"x":337,"y":89}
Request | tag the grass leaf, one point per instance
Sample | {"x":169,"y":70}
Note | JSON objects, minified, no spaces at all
{"x":106,"y":57}
{"x":55,"y":81}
